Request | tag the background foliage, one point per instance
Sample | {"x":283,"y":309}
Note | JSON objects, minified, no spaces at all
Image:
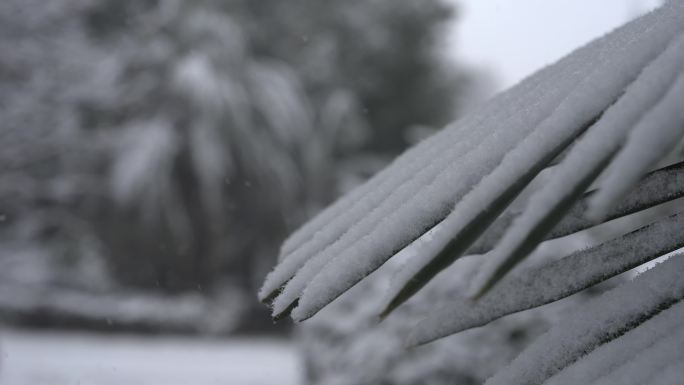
{"x":166,"y":147}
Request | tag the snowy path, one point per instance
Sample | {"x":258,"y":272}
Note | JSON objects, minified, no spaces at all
{"x":33,"y":358}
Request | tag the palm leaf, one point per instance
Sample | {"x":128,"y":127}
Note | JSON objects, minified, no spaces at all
{"x":623,"y":351}
{"x":401,"y":191}
{"x":660,"y":186}
{"x":606,"y":318}
{"x":584,"y":163}
{"x":596,"y":121}
{"x":551,"y":281}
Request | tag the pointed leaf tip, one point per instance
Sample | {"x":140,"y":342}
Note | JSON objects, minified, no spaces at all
{"x":277,"y":316}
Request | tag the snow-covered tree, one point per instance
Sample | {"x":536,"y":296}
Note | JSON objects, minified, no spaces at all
{"x":48,"y":70}
{"x":174,"y":143}
{"x":231,"y":119}
{"x":591,"y":139}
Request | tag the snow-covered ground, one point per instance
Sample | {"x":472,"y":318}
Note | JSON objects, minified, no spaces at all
{"x":50,"y":358}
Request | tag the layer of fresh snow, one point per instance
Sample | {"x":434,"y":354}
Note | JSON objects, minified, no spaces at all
{"x":647,"y":363}
{"x":658,"y":132}
{"x":662,"y":185}
{"x":551,"y":281}
{"x":400,"y":202}
{"x":600,"y":104}
{"x":596,"y":147}
{"x":617,"y":353}
{"x":52,"y":358}
{"x":569,"y":101}
{"x":357,"y":214}
{"x":671,"y":374}
{"x":589,"y":326}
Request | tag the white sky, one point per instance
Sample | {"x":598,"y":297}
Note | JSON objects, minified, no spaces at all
{"x":509,"y":39}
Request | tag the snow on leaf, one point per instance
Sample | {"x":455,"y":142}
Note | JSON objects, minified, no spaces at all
{"x":552,"y":281}
{"x":390,"y":187}
{"x":647,"y":362}
{"x":599,"y":74}
{"x":486,"y":201}
{"x":454,"y":187}
{"x":656,"y":135}
{"x":529,"y":91}
{"x":668,"y":375}
{"x":424,"y":198}
{"x":610,"y":356}
{"x":657,"y":187}
{"x":601,"y":320}
{"x":594,"y":151}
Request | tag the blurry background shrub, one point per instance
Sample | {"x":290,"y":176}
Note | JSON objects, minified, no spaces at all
{"x":157,"y":151}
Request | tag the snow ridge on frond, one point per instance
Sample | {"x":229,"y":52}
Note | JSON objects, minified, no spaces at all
{"x":551,"y":281}
{"x":603,"y":319}
{"x":615,"y":354}
{"x":593,"y":152}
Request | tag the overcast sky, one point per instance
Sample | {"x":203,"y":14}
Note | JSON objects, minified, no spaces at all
{"x":509,"y":39}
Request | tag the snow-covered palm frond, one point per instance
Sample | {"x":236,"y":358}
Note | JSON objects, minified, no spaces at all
{"x":595,"y":133}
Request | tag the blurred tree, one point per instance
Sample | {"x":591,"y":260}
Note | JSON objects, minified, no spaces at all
{"x":47,"y":69}
{"x":182,"y":139}
{"x":231,"y":118}
{"x":386,"y":55}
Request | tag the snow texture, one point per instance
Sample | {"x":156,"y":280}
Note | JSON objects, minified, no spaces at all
{"x":657,"y":134}
{"x":657,"y":187}
{"x":456,"y":141}
{"x":669,"y":375}
{"x":604,"y":318}
{"x":615,"y":354}
{"x":660,"y":186}
{"x":617,"y":65}
{"x":552,"y":281}
{"x":411,"y":158}
{"x":621,"y":88}
{"x":606,"y":136}
{"x":648,"y":362}
{"x":404,"y":204}
{"x":398,"y":226}
{"x":332,"y":223}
